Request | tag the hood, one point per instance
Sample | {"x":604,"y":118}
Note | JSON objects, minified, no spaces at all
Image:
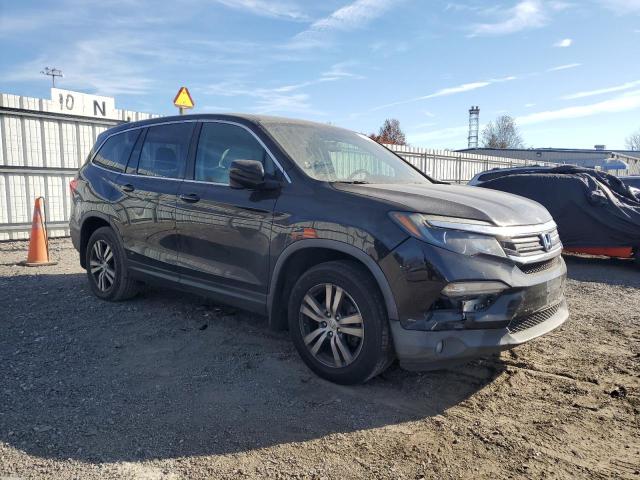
{"x":499,"y":208}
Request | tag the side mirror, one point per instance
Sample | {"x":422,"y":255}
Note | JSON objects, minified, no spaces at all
{"x":249,"y":174}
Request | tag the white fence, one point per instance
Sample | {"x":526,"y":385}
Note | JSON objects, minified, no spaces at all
{"x":40,"y":152}
{"x":456,"y":167}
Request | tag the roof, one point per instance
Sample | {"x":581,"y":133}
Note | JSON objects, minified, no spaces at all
{"x":239,"y":117}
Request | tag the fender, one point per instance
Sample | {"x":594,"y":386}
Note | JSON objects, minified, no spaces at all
{"x":102,"y":216}
{"x":355,"y":252}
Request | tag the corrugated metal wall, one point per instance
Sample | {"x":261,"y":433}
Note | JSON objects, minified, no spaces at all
{"x":40,"y":152}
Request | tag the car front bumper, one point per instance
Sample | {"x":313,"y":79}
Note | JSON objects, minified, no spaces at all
{"x":531,"y":305}
{"x":421,"y":350}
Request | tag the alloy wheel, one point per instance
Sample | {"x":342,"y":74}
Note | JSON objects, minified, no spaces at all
{"x":102,"y":265}
{"x":331,"y":325}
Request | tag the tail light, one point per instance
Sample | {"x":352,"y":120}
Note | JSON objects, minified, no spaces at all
{"x":73,"y":185}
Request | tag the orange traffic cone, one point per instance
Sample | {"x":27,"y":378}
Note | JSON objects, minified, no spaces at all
{"x":38,"y":242}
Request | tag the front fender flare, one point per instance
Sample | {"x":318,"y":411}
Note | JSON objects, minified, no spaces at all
{"x":356,"y":253}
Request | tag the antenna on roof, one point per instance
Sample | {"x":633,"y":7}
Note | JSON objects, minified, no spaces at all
{"x":53,"y":73}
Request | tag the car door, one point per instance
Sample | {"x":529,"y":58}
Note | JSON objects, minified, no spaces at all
{"x":225,"y":233}
{"x":149,"y":192}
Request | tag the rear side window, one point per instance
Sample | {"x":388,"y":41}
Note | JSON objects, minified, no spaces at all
{"x":165,"y":149}
{"x":114,"y":153}
{"x":222,"y":143}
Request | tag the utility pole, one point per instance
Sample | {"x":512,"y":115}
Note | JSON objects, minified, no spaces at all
{"x":53,"y":73}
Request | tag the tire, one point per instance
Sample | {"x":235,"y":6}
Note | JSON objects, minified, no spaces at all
{"x":106,"y":267}
{"x":360,"y":310}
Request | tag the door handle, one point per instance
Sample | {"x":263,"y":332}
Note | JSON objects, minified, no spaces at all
{"x":190,"y":197}
{"x":127,"y":187}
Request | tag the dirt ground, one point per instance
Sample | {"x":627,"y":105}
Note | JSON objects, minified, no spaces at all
{"x":170,"y":386}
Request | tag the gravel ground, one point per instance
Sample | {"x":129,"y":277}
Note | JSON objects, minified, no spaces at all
{"x":170,"y":386}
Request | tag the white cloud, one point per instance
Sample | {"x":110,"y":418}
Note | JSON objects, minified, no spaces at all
{"x":564,"y":67}
{"x":353,"y":15}
{"x":350,"y":17}
{"x":622,"y":103}
{"x":560,"y":5}
{"x":590,"y":93}
{"x":337,"y":72}
{"x":101,"y":65}
{"x":525,"y":15}
{"x":283,"y":99}
{"x":443,"y":92}
{"x":622,"y":7}
{"x":529,"y":105}
{"x":268,"y":100}
{"x":267,"y":8}
{"x":564,"y":43}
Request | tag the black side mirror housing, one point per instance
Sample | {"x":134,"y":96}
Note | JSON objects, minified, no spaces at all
{"x":249,"y":174}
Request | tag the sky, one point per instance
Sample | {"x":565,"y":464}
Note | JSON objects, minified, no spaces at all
{"x":567,"y":71}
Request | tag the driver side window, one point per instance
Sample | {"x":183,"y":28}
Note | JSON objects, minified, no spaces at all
{"x":219,"y":145}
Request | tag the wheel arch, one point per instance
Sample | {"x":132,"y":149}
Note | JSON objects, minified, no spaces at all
{"x":323,"y":250}
{"x":89,"y":224}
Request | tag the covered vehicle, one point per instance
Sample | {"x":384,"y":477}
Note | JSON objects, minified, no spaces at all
{"x":632,"y":181}
{"x":596,"y":213}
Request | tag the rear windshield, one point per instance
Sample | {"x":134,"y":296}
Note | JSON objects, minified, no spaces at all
{"x":333,"y":154}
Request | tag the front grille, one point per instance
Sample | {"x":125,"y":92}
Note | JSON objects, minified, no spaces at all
{"x":538,"y":267}
{"x":524,"y":246}
{"x":523,"y":323}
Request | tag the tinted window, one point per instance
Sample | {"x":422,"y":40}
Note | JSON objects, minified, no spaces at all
{"x":114,"y":153}
{"x":219,"y":145}
{"x":165,"y":148}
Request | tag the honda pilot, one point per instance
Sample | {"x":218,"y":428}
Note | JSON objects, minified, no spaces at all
{"x":325,"y":232}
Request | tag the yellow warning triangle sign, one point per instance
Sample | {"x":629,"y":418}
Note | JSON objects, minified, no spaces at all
{"x":183,"y":98}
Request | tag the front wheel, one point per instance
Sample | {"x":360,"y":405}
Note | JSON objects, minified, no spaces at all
{"x":106,"y":267}
{"x":338,"y":323}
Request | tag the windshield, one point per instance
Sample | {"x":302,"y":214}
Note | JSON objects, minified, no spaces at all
{"x":333,"y":154}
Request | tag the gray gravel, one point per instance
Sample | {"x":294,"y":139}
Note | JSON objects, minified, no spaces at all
{"x":170,"y":386}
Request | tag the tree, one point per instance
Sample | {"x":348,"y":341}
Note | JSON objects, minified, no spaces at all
{"x":390,"y":132}
{"x":633,"y":141}
{"x":502,"y":133}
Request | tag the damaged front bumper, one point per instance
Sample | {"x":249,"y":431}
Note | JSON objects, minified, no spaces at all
{"x":439,"y":325}
{"x":432,"y":350}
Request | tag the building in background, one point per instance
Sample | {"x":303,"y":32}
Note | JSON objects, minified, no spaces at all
{"x":619,"y":162}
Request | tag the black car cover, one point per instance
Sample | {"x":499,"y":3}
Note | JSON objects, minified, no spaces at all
{"x":591,"y":208}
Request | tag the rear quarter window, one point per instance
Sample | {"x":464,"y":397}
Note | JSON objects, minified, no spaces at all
{"x":115,"y":152}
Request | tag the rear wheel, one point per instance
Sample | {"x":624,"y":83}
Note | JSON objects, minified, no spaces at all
{"x":338,"y":323}
{"x":106,"y":267}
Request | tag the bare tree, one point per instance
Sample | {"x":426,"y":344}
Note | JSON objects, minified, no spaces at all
{"x":390,"y":132}
{"x":633,"y":141}
{"x":502,"y":133}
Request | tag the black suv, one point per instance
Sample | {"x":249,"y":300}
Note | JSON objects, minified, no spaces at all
{"x":361,"y":255}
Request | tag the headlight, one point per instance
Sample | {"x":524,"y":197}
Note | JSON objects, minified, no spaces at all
{"x":458,"y":241}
